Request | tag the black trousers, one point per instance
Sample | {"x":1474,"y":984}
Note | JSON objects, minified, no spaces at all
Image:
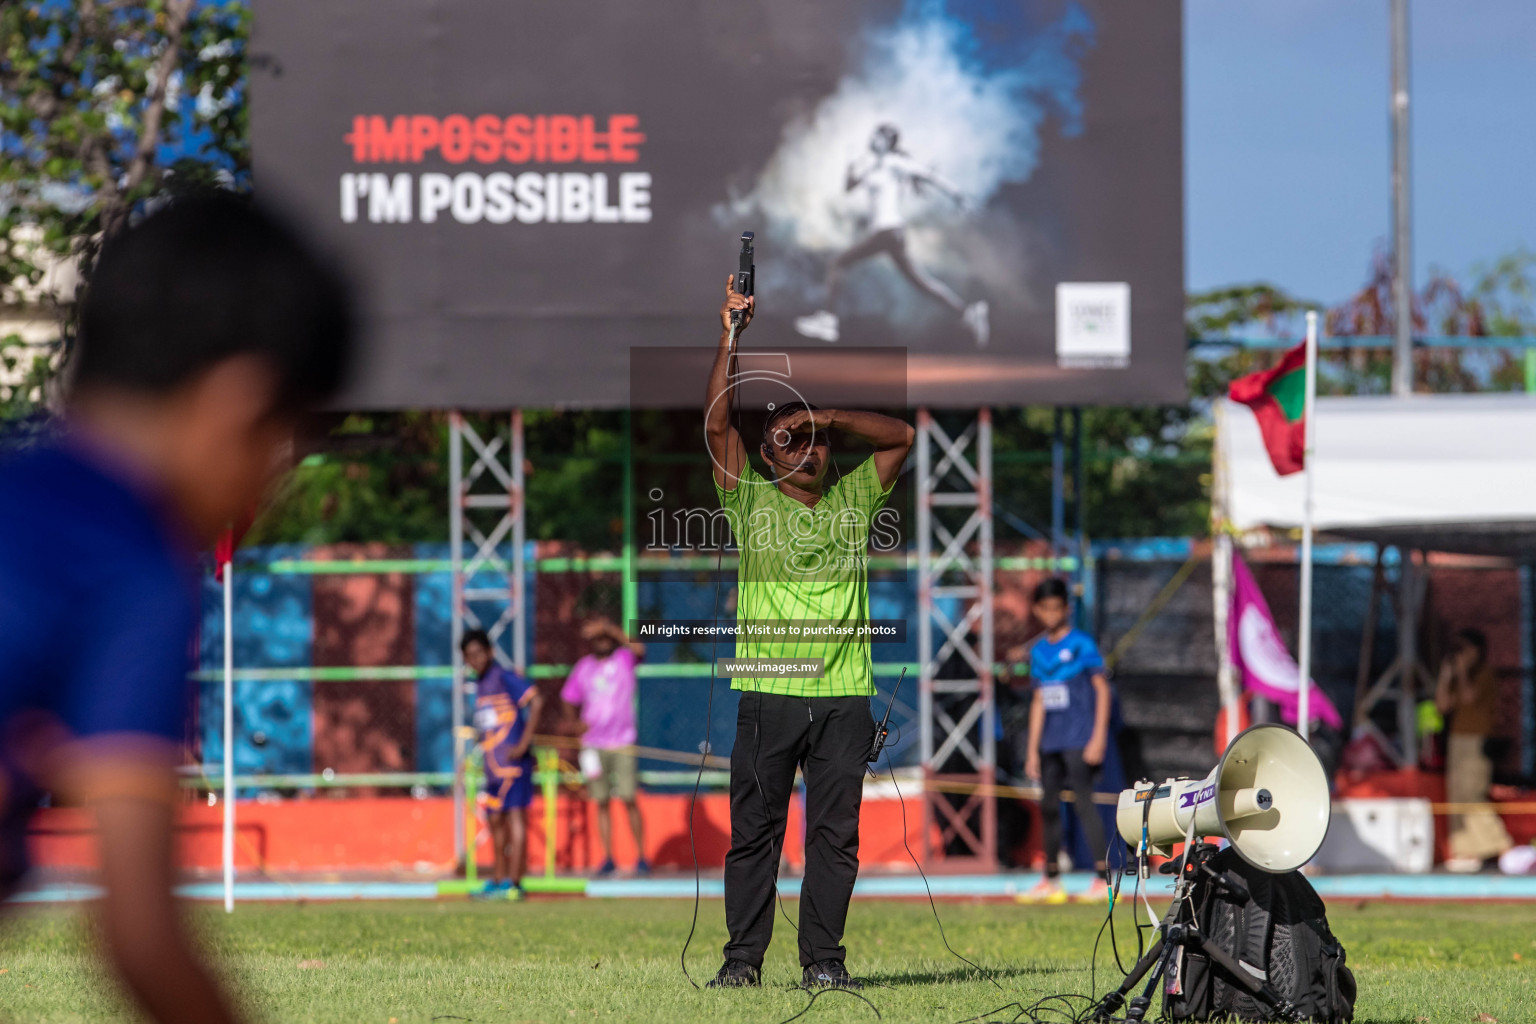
{"x":1067,"y":767}
{"x":829,"y":739}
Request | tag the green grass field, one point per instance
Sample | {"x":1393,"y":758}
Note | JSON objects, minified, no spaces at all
{"x":560,"y":961}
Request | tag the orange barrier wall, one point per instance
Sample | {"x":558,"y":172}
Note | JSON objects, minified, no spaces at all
{"x":404,"y":835}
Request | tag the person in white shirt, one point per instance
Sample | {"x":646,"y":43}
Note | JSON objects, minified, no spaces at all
{"x":885,"y":175}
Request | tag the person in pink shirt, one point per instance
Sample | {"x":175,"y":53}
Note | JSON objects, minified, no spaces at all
{"x":601,"y":689}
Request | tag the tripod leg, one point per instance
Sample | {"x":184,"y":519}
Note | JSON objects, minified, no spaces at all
{"x":1110,"y":1005}
{"x":1142,"y":1003}
{"x":1155,"y":957}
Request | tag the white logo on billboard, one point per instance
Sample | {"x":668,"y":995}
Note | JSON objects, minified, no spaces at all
{"x":1093,"y":325}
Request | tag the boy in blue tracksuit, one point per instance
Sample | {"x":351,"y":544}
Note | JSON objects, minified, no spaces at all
{"x":506,"y":706}
{"x":1068,"y":732}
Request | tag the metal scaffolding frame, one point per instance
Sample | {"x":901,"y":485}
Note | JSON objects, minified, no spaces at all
{"x":1407,"y":678}
{"x":957,"y":713}
{"x":486,"y":508}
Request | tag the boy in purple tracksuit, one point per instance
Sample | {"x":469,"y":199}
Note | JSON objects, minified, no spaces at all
{"x":506,"y":706}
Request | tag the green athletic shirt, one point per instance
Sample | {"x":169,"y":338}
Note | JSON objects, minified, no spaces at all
{"x":806,"y":563}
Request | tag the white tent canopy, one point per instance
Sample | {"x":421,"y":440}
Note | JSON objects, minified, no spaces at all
{"x":1437,"y":472}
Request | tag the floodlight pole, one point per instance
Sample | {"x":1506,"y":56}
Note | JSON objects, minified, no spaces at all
{"x":1309,"y":470}
{"x":1402,"y":213}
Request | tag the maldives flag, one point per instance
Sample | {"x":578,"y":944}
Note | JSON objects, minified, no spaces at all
{"x":1278,"y":399}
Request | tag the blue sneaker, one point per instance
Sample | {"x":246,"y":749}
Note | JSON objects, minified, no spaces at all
{"x":642,"y":867}
{"x":607,"y":869}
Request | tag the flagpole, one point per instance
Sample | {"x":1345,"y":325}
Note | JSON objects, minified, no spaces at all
{"x":1304,"y":641}
{"x":1227,"y":685}
{"x":229,"y":736}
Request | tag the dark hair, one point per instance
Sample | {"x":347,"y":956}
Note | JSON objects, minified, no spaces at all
{"x":1474,"y":638}
{"x":476,"y":636}
{"x":204,"y":279}
{"x":1049,"y":588}
{"x":782,"y":411}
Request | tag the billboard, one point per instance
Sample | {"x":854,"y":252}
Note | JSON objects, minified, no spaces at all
{"x":527,"y":191}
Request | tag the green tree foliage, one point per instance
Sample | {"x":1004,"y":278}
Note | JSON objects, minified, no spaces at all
{"x":384,"y":477}
{"x":1497,"y":301}
{"x":366,"y":477}
{"x":104,"y":105}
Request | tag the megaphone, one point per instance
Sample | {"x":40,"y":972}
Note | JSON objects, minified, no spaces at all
{"x":1268,"y":796}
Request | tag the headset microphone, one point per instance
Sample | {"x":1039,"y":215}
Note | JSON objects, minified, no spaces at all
{"x":744,"y":275}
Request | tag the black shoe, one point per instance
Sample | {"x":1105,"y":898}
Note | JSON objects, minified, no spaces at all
{"x":736,"y":974}
{"x":829,"y":974}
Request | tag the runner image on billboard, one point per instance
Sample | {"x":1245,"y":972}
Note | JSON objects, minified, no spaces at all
{"x":886,"y":174}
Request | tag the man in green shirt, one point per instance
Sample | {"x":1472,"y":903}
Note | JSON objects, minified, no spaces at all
{"x":803,"y":578}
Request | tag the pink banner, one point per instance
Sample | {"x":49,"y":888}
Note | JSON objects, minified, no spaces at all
{"x":1260,"y":657}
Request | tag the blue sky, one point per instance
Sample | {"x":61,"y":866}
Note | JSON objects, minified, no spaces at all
{"x":1288,"y":158}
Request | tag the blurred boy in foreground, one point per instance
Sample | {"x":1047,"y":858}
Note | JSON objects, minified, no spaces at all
{"x":207,"y":330}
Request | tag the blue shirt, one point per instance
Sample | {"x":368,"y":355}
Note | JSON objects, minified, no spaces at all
{"x":97,"y":608}
{"x":499,"y":713}
{"x":1063,"y":672}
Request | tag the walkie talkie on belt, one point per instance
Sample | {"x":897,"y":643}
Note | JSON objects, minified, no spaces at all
{"x":883,"y":729}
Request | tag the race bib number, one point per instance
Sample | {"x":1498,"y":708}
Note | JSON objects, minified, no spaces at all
{"x":1055,"y":698}
{"x":485,"y":719}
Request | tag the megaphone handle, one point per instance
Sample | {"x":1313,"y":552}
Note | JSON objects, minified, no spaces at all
{"x":1222,"y":883}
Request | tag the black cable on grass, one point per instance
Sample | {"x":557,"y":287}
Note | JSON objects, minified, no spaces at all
{"x":709,"y":711}
{"x":709,"y":714}
{"x":1068,"y":1008}
{"x":1136,"y":913}
{"x":1052,"y":1009}
{"x":825,"y":991}
{"x":1109,"y":922}
{"x":900,"y":802}
{"x":980,"y":1017}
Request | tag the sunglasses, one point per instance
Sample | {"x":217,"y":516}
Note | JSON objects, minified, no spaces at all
{"x":785,"y":442}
